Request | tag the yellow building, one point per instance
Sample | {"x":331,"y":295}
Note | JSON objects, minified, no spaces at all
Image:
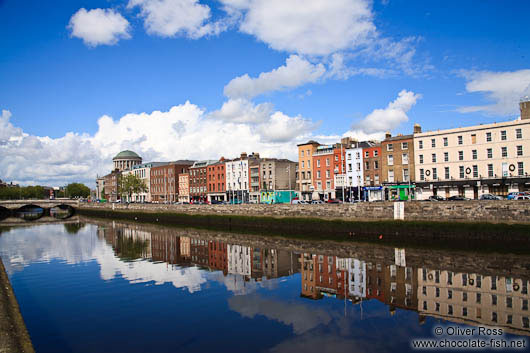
{"x":304,"y":181}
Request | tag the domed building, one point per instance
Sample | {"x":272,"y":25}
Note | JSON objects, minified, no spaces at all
{"x":126,"y":160}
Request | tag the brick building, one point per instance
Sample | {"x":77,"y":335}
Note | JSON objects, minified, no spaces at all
{"x":372,"y":172}
{"x":216,"y":179}
{"x":165,"y":182}
{"x":328,"y":162}
{"x":198,"y":180}
{"x":111,"y":186}
{"x":304,"y":182}
{"x":397,"y":166}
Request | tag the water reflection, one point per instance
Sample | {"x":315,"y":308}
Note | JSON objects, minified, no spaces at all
{"x":368,"y":282}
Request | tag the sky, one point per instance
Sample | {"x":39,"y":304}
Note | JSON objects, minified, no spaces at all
{"x":195,"y":79}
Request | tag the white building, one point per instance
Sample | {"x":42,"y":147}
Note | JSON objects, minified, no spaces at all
{"x":239,"y":260}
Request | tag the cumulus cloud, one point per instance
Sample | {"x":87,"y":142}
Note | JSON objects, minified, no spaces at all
{"x":504,"y":89}
{"x":183,"y":132}
{"x":169,"y":18}
{"x":99,"y":26}
{"x":240,"y":110}
{"x":315,"y":27}
{"x":295,"y":72}
{"x":387,"y":119}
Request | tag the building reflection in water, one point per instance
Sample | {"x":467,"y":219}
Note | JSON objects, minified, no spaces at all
{"x":467,"y":298}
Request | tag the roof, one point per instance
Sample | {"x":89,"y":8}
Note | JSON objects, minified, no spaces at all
{"x":310,"y":142}
{"x":126,"y":154}
{"x":399,"y":137}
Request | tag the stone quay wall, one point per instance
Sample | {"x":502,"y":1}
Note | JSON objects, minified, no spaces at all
{"x":456,"y":211}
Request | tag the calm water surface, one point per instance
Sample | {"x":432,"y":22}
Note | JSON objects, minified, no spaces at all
{"x":111,"y":287}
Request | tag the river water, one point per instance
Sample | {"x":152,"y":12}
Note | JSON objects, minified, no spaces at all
{"x":116,"y":287}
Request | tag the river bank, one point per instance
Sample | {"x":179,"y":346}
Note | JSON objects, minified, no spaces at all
{"x":449,"y":235}
{"x":14,"y":337}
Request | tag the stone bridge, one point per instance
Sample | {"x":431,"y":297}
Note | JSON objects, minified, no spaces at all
{"x":14,"y":204}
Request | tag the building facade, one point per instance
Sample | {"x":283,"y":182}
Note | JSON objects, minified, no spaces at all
{"x":111,"y":186}
{"x":304,"y":183}
{"x":397,"y":172}
{"x":372,"y":172}
{"x":215,"y":173}
{"x":199,"y":180}
{"x":328,"y":161}
{"x":184,"y":187}
{"x":165,"y":182}
{"x":471,"y":161}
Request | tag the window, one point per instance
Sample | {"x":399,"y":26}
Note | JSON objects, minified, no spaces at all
{"x":447,"y":176}
{"x":524,"y":304}
{"x":450,"y":310}
{"x":508,"y":302}
{"x":503,"y":135}
{"x":520,"y":168}
{"x":474,"y":154}
{"x":434,"y":173}
{"x":327,"y":173}
{"x":494,"y":316}
{"x":367,"y":165}
{"x":358,"y":154}
{"x":318,"y":162}
{"x":475,"y":171}
{"x":376,"y":164}
{"x":434,"y":157}
{"x":446,"y":142}
{"x":390,"y":159}
{"x":490,"y":152}
{"x":464,"y":297}
{"x":479,"y":297}
{"x":302,"y":153}
{"x":519,"y":133}
{"x":366,"y":154}
{"x":358,"y":166}
{"x":308,"y":153}
{"x":493,"y":282}
{"x":462,"y":174}
{"x":349,"y":155}
{"x":493,"y":299}
{"x":519,"y":151}
{"x":405,"y":158}
{"x":405,"y":175}
{"x":473,"y":138}
{"x":318,"y":174}
{"x":390,"y":147}
{"x":433,"y":143}
{"x":460,"y":140}
{"x":449,"y":294}
{"x":391,"y":176}
{"x":303,"y":165}
{"x":488,"y":136}
{"x":336,"y":158}
{"x":404,"y":145}
{"x":420,"y":145}
{"x":460,"y":155}
{"x":421,"y":158}
{"x":327,"y":162}
{"x":464,"y":311}
{"x":422,"y":174}
{"x":376,"y":153}
{"x":437,"y":292}
{"x":446,"y":156}
{"x":504,"y":152}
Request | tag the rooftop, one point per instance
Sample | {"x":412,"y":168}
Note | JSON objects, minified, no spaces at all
{"x":127,"y":154}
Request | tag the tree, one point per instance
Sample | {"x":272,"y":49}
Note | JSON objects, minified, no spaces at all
{"x":77,"y":190}
{"x":130,"y":184}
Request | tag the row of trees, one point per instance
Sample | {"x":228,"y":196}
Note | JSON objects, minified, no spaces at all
{"x":38,"y":192}
{"x":130,"y":184}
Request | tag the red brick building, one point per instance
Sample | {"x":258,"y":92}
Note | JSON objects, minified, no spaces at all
{"x":328,"y":162}
{"x":217,"y":256}
{"x":215,"y":175}
{"x":198,"y":181}
{"x":164,"y":180}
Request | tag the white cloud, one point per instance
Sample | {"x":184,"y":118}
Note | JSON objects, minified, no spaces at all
{"x":338,"y":69}
{"x":99,"y":26}
{"x":183,"y":132}
{"x":381,"y":120}
{"x":504,"y":89}
{"x":240,"y":110}
{"x":315,"y":27}
{"x":295,"y":72}
{"x":169,"y":18}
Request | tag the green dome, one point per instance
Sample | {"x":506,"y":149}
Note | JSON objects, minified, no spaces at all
{"x":126,"y":155}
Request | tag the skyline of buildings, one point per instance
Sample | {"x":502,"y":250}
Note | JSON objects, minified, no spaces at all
{"x":469,"y":161}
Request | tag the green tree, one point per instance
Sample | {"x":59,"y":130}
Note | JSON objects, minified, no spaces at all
{"x":77,"y":190}
{"x":130,"y":184}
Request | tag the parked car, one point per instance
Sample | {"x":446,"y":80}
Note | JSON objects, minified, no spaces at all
{"x":299,"y":202}
{"x":316,"y":202}
{"x":522,"y":197}
{"x":334,"y":201}
{"x":489,"y":197}
{"x":457,"y":198}
{"x":515,"y":195}
{"x":436,"y":198}
{"x":216,"y":202}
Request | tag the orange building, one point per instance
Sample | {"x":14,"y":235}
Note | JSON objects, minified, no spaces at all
{"x":304,"y":174}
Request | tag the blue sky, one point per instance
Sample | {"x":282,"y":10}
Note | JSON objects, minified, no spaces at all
{"x":80,"y":80}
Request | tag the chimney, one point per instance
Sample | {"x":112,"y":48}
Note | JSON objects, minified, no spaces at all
{"x":524,"y":105}
{"x":243,"y":155}
{"x":417,"y":128}
{"x":388,"y":135}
